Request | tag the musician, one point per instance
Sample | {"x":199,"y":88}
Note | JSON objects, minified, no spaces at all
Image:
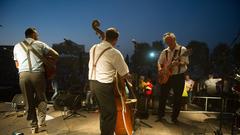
{"x":32,"y":79}
{"x":211,"y":85}
{"x":189,"y":83}
{"x":176,"y":80}
{"x":101,"y":78}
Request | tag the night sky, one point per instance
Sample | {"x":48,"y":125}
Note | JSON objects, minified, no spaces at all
{"x":210,"y":21}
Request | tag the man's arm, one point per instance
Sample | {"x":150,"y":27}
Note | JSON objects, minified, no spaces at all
{"x":54,"y":54}
{"x":127,"y":76}
{"x":160,"y":61}
{"x":159,"y":66}
{"x":16,"y":64}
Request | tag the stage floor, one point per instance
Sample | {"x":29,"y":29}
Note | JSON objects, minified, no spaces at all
{"x":190,"y":123}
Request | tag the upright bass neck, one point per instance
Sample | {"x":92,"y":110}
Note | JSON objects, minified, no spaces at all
{"x":95,"y":26}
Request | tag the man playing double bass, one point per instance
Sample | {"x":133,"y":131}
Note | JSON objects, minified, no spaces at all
{"x":105,"y":61}
{"x":176,"y":79}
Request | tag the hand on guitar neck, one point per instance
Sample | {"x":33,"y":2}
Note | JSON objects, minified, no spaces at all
{"x":165,"y":69}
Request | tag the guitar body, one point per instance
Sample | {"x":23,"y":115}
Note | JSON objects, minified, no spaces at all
{"x":166,"y":71}
{"x":164,"y":74}
{"x":125,"y":115}
{"x":50,"y":69}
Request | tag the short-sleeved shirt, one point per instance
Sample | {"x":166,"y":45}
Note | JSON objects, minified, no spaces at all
{"x":108,"y":64}
{"x":167,"y":59}
{"x":21,"y":56}
{"x":211,"y":84}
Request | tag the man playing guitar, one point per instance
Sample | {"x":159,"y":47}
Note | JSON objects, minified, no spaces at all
{"x":172,"y":65}
{"x":32,"y":79}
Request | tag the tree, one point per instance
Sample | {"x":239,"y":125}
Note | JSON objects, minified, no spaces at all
{"x":199,"y":60}
{"x":157,"y":45}
{"x":236,"y":54}
{"x":127,"y":60}
{"x":145,"y":57}
{"x":139,"y":58}
{"x":221,"y":59}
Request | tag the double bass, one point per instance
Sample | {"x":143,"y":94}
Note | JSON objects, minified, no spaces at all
{"x":125,"y":106}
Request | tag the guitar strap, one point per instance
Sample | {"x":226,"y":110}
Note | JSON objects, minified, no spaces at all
{"x":27,"y":50}
{"x":174,"y":55}
{"x":179,"y":53}
{"x":166,"y":54}
{"x":95,"y":62}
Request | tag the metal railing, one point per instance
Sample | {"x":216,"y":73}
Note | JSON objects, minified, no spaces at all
{"x":206,"y":100}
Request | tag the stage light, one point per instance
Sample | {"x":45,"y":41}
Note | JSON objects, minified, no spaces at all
{"x":152,"y":54}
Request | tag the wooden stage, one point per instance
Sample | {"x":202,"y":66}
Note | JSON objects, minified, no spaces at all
{"x":190,"y":123}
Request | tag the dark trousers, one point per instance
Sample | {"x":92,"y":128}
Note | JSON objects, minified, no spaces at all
{"x":33,"y":87}
{"x":175,"y":82}
{"x":104,"y":93}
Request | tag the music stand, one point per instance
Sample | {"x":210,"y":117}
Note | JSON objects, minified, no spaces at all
{"x":73,"y":109}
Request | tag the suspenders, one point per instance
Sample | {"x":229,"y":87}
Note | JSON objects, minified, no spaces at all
{"x":95,"y":62}
{"x":179,"y":53}
{"x":27,"y":50}
{"x":174,"y":55}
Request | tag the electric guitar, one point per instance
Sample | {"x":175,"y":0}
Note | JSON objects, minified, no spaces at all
{"x":50,"y":67}
{"x":166,"y":71}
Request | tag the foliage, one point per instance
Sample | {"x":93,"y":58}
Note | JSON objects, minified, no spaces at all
{"x":199,"y":60}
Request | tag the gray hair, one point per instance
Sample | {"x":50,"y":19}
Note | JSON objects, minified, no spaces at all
{"x":169,"y":34}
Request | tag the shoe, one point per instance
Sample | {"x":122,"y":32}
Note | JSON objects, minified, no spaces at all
{"x":34,"y":130}
{"x":43,"y":125}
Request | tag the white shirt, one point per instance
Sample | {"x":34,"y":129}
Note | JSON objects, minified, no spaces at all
{"x":163,"y":60}
{"x":108,"y":64}
{"x":211,"y":85}
{"x":21,"y":56}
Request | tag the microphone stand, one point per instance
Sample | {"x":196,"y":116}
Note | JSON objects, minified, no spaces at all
{"x":219,"y":131}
